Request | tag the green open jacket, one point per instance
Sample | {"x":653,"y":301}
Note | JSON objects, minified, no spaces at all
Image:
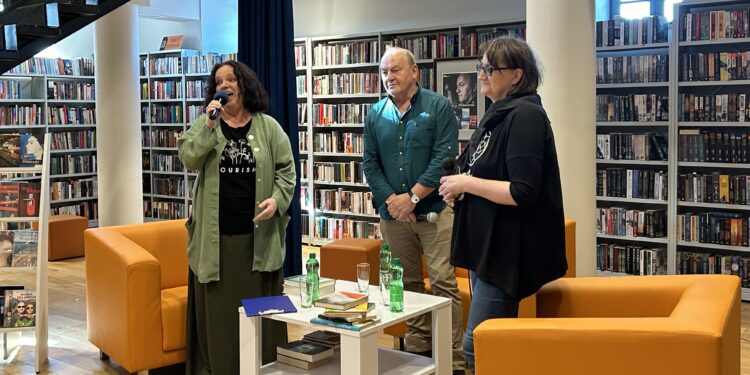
{"x":200,"y":149}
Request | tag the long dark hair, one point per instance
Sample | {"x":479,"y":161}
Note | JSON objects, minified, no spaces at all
{"x":254,"y":96}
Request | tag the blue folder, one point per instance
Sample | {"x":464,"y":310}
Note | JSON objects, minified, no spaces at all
{"x":268,"y":305}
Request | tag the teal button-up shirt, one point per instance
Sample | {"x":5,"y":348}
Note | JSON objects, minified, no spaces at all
{"x":402,"y":150}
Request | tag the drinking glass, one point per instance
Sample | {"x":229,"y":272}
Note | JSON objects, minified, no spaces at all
{"x":363,"y":277}
{"x":385,"y":288}
{"x":305,"y":293}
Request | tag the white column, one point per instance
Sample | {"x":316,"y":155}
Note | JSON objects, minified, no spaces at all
{"x":118,"y":129}
{"x":562,"y":34}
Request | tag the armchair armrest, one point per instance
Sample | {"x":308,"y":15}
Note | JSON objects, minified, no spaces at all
{"x":592,"y":297}
{"x":123,"y":290}
{"x":615,"y":346}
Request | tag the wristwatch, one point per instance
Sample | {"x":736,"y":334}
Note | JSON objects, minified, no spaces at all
{"x":414,"y":198}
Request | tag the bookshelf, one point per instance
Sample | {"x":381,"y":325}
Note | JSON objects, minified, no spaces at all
{"x":21,"y":271}
{"x":335,"y":198}
{"x":712,"y":86}
{"x":173,"y":84}
{"x":633,"y":154}
{"x":57,"y":96}
{"x":707,"y":87}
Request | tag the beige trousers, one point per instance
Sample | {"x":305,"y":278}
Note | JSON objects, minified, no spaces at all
{"x":408,"y":242}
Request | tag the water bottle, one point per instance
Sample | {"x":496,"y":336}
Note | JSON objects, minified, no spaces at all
{"x":313,"y":279}
{"x":385,"y":272}
{"x":397,"y":286}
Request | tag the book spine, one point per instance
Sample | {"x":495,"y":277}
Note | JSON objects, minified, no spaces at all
{"x":334,"y":324}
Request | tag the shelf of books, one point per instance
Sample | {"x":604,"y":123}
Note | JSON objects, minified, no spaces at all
{"x":57,"y":96}
{"x":303,"y":75}
{"x":633,"y":132}
{"x":343,"y":83}
{"x":24,"y":214}
{"x":338,"y":82}
{"x":673,"y":101}
{"x":173,"y":85}
{"x":713,"y":87}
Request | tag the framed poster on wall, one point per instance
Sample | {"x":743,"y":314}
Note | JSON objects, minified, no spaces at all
{"x":456,"y":79}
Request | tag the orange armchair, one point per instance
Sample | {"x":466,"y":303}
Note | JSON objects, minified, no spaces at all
{"x":338,"y":260}
{"x":136,"y":293}
{"x":684,"y":324}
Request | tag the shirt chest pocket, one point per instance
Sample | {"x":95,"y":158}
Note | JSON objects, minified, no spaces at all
{"x":420,"y":132}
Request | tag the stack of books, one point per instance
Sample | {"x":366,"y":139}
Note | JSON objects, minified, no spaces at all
{"x":345,"y":310}
{"x":327,"y":338}
{"x":304,"y":354}
{"x":326,"y":286}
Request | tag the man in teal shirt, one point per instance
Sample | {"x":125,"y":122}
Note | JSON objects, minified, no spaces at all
{"x":407,"y":136}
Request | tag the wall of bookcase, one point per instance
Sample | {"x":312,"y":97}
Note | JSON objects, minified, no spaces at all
{"x":173,"y":84}
{"x":705,"y":210}
{"x":57,"y":96}
{"x":337,"y":83}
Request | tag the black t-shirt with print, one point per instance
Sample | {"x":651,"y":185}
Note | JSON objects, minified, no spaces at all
{"x":237,"y":182}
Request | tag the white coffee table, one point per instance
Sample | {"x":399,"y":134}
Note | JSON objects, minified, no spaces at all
{"x":359,"y":349}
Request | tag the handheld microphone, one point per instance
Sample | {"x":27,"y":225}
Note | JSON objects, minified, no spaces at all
{"x":430,"y":217}
{"x":222,"y":97}
{"x":449,"y":166}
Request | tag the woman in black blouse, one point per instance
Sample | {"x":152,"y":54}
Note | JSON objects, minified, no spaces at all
{"x":509,"y":228}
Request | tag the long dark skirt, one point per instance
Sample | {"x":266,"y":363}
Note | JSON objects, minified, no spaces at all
{"x":212,"y":322}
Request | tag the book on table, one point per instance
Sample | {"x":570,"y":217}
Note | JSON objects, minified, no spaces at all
{"x":326,"y":338}
{"x":356,"y":326}
{"x":359,"y":311}
{"x":300,"y":363}
{"x":305,"y":350}
{"x":322,"y":291}
{"x":295,"y":280}
{"x":341,"y":300}
{"x":325,"y":285}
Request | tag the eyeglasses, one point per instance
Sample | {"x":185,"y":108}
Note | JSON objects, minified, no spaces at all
{"x":489,"y":69}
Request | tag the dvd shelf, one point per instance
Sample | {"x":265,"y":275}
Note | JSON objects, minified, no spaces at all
{"x":672,"y":142}
{"x":712,"y":54}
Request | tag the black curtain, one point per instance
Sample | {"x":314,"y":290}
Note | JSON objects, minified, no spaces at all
{"x":266,"y":44}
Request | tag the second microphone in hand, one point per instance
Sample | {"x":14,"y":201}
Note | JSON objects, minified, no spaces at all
{"x":430,"y":217}
{"x":449,"y":166}
{"x":222,"y":97}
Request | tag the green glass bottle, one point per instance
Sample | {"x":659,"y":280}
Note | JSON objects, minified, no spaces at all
{"x":397,"y":286}
{"x":313,"y":279}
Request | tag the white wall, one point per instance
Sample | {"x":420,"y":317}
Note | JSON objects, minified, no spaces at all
{"x":78,"y":44}
{"x":175,"y":10}
{"x":219,"y":30}
{"x":336,"y":17}
{"x":151,"y":31}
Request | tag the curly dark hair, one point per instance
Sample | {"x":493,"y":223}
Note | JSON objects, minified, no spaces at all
{"x":254,"y":96}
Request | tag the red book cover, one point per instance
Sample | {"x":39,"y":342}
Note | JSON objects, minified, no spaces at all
{"x":9,"y":199}
{"x":29,"y":200}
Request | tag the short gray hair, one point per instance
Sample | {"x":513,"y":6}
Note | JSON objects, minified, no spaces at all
{"x":391,"y":50}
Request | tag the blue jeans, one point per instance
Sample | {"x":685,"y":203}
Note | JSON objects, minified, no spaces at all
{"x":487,"y":302}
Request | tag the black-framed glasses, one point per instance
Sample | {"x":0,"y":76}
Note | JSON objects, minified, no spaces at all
{"x":489,"y":69}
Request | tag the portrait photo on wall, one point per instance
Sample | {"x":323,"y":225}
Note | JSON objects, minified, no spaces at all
{"x":461,"y":91}
{"x":456,"y":79}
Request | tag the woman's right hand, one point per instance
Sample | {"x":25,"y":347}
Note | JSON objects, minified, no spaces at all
{"x":213,"y":105}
